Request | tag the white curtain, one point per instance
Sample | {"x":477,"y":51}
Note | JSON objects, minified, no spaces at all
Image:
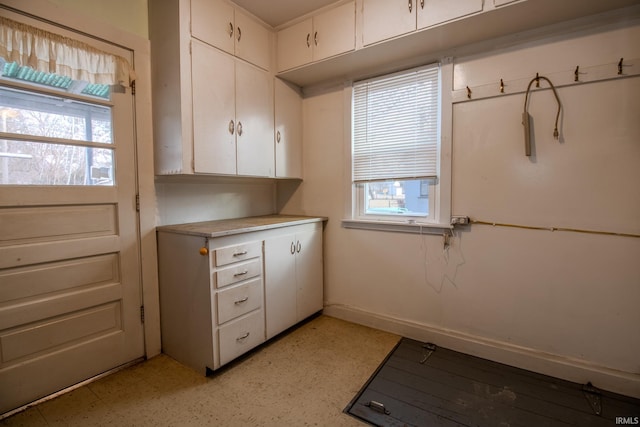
{"x":52,"y":53}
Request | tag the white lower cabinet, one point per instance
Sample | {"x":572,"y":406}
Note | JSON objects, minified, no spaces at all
{"x":293,"y":277}
{"x":213,"y":304}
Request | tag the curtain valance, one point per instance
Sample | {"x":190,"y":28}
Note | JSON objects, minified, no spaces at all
{"x":52,"y":53}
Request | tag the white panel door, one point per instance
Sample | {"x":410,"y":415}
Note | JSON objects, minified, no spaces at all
{"x":309,"y":273}
{"x":253,"y":41}
{"x":212,"y":21}
{"x":70,"y":292}
{"x":438,"y":11}
{"x":280,"y":283}
{"x":294,"y":45}
{"x":254,"y":116}
{"x":214,"y":123}
{"x":334,"y":31}
{"x":288,"y":114}
{"x":384,"y":19}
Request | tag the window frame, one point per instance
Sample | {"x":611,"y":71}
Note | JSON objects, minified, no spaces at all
{"x":439,"y":217}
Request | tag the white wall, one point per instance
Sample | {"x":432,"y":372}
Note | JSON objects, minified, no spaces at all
{"x":184,"y":199}
{"x":127,"y":15}
{"x":566,"y":304}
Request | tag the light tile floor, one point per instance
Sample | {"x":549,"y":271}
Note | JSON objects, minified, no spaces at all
{"x":305,"y":377}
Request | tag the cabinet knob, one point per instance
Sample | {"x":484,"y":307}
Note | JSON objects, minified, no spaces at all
{"x":239,"y":33}
{"x":298,"y":247}
{"x":315,"y":38}
{"x":410,"y":6}
{"x":230,"y":29}
{"x":204,"y":251}
{"x":421,"y":4}
{"x":240,"y":338}
{"x":240,"y":128}
{"x":308,"y":37}
{"x":232,"y":127}
{"x":278,"y":136}
{"x":293,"y":248}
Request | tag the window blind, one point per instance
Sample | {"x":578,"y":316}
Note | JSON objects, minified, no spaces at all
{"x":395,"y":126}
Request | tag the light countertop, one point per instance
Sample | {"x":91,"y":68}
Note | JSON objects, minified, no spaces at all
{"x":226,"y":227}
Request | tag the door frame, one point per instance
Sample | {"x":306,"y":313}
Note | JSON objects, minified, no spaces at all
{"x":141,"y":52}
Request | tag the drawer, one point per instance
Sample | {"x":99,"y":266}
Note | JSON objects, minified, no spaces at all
{"x":238,"y":272}
{"x":231,"y":254}
{"x":241,"y":335}
{"x":239,"y":300}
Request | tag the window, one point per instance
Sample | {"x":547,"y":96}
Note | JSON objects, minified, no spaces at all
{"x":396,"y":145}
{"x":56,"y":109}
{"x":54,"y":140}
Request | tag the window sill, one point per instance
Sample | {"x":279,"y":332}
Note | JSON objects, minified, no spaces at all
{"x":397,"y":226}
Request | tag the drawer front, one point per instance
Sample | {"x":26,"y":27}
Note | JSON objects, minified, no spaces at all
{"x":231,"y":254}
{"x":239,"y":300}
{"x":238,"y":272}
{"x":241,"y":335}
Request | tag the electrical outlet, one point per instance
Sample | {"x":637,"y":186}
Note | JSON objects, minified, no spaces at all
{"x":460,"y":220}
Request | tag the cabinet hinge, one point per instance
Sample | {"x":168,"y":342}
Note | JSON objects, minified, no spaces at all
{"x":137,"y":203}
{"x":133,"y":87}
{"x":142,"y":314}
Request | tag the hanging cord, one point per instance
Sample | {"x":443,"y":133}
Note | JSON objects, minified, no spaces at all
{"x":526,"y":118}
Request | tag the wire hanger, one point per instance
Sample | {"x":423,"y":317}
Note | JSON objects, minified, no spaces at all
{"x":526,"y":117}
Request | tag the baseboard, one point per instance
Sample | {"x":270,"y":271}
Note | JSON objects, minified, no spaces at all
{"x":521,"y":357}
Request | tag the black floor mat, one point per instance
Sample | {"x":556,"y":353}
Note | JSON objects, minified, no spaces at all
{"x":420,"y":384}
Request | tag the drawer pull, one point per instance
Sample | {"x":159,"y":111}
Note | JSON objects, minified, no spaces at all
{"x":240,"y":253}
{"x":245,"y":336}
{"x":240,"y":301}
{"x":242,"y":273}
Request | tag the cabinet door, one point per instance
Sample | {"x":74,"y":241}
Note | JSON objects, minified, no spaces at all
{"x":212,"y":22}
{"x":383,"y":19}
{"x":288,"y":137}
{"x":254,"y":127}
{"x":309,"y":273}
{"x":437,"y":11}
{"x":279,"y":284}
{"x":294,"y":45}
{"x":252,"y":41}
{"x":214,"y":146}
{"x":334,"y":31}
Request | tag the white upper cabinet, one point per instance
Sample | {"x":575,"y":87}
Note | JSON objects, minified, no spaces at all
{"x":254,"y":121}
{"x":214,"y":105}
{"x":219,"y":24}
{"x":213,"y":110}
{"x":288,"y":128}
{"x":385,"y":19}
{"x":232,"y":115}
{"x":433,"y":12}
{"x":322,"y":36}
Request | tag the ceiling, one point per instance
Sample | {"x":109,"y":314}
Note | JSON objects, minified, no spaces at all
{"x":277,"y":12}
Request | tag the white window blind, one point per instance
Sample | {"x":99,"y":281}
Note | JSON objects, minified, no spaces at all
{"x":395,"y":126}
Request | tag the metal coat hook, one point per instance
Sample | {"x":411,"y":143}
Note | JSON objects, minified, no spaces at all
{"x":501,"y":86}
{"x":576,"y":74}
{"x":620,"y":66}
{"x":468,"y":92}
